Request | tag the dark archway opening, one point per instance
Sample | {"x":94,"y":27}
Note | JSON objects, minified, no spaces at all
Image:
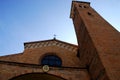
{"x":37,"y":76}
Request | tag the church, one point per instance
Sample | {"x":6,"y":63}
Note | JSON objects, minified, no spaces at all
{"x":96,"y":57}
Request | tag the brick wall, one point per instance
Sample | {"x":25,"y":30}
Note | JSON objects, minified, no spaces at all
{"x":98,"y":42}
{"x":30,"y":62}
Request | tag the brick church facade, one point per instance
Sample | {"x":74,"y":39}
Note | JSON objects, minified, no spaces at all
{"x":96,"y":57}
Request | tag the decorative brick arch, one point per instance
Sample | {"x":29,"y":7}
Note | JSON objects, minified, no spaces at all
{"x":11,"y":70}
{"x":37,"y":76}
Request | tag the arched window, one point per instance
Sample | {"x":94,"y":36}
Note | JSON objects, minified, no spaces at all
{"x":51,"y":60}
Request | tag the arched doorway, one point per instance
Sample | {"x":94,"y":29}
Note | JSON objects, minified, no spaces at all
{"x":37,"y":76}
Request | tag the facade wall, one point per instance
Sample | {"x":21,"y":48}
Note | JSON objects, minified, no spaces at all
{"x":11,"y":71}
{"x":30,"y":62}
{"x":12,"y":57}
{"x":34,"y":56}
{"x":68,"y":58}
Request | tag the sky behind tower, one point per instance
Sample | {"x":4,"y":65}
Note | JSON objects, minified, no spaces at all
{"x":33,"y":20}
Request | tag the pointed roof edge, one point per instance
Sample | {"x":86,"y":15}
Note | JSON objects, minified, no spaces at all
{"x":51,"y":40}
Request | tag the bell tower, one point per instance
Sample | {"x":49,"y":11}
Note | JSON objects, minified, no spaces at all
{"x":98,"y":41}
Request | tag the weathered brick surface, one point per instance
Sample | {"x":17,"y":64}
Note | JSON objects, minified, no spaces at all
{"x":13,"y":57}
{"x":98,"y":41}
{"x":38,"y":54}
{"x":34,"y":55}
{"x":30,"y":62}
{"x":98,"y":57}
{"x":11,"y":71}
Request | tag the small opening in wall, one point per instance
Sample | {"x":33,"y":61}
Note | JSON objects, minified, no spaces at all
{"x":80,"y":6}
{"x":85,"y":6}
{"x":89,"y":13}
{"x":78,"y":53}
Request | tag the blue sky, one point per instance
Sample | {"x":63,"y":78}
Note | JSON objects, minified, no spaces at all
{"x":32,"y":20}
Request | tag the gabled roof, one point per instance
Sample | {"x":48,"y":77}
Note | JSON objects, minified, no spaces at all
{"x":51,"y":42}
